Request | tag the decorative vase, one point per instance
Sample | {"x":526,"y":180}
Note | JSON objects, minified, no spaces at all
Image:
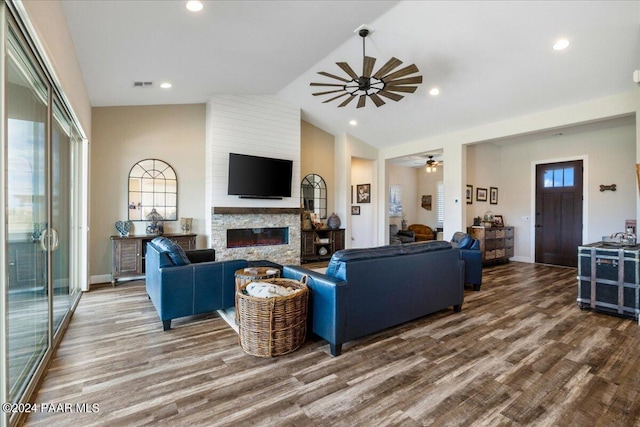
{"x":322,"y":251}
{"x":333,"y":221}
{"x":123,"y":228}
{"x":404,"y":224}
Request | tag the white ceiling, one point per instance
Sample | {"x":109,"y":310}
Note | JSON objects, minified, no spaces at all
{"x":492,"y":60}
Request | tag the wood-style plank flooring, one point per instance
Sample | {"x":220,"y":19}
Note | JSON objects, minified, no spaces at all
{"x":520,"y":353}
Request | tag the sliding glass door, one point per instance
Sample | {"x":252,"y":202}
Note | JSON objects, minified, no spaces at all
{"x":27,"y":218}
{"x":61,"y":214}
{"x":43,"y":220}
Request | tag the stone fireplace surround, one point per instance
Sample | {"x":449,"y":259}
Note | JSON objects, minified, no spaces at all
{"x":225,"y":218}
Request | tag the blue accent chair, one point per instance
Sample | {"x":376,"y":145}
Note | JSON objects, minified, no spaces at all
{"x":472,"y":256}
{"x":177,"y":287}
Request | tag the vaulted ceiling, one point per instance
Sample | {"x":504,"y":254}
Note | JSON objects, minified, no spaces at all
{"x":491,"y":60}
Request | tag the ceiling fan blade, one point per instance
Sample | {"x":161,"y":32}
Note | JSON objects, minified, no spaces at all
{"x":367,"y":66}
{"x":347,"y":69}
{"x":335,"y":97}
{"x":407,"y":81}
{"x":410,"y":89}
{"x":390,"y":65}
{"x":401,"y":73}
{"x":346,"y":101}
{"x":327,"y":92}
{"x":326,"y":84}
{"x":376,"y":100}
{"x":362,"y":101}
{"x":333,"y":76}
{"x":390,"y":95}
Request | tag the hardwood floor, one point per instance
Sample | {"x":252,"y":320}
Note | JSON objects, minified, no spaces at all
{"x":520,"y":353}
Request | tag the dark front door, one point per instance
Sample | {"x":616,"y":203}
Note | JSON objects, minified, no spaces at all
{"x":558,"y":213}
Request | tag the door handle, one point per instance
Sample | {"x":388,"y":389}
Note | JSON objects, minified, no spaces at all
{"x":538,"y":226}
{"x":56,"y":239}
{"x":49,"y":234}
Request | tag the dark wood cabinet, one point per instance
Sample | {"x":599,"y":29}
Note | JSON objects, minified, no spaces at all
{"x":496,"y":243}
{"x":128,"y":253}
{"x":318,"y":245}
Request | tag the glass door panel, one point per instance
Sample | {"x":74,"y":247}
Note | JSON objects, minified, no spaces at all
{"x":27,"y":218}
{"x":61,"y":189}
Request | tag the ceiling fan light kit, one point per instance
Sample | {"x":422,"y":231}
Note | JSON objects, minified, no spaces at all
{"x":383,"y":83}
{"x":431,"y":164}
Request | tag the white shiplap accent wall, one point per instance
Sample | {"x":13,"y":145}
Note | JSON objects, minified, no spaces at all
{"x":258,"y":125}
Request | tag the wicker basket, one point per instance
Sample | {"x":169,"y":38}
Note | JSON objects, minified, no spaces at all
{"x":273,"y":326}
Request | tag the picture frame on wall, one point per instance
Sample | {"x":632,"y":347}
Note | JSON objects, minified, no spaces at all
{"x":493,"y":195}
{"x":395,"y":201}
{"x":469,"y":194}
{"x":426,"y":202}
{"x":363,"y":193}
{"x":481,"y":194}
{"x":355,"y":210}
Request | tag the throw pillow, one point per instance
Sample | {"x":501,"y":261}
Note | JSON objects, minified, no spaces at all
{"x":173,"y":250}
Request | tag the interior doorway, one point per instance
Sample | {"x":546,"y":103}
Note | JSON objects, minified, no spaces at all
{"x":558,"y":219}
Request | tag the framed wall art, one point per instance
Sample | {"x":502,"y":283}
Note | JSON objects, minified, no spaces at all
{"x":493,"y":195}
{"x":481,"y":194}
{"x":355,"y":210}
{"x":363,"y":193}
{"x":395,"y":201}
{"x":469,"y":194}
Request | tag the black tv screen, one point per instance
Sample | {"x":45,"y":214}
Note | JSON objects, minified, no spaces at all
{"x":259,"y":177}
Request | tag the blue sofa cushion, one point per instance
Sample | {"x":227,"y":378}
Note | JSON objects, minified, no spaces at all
{"x":336,"y":267}
{"x":173,"y":250}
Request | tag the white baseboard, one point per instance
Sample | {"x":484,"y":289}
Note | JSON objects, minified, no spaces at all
{"x":101,"y":278}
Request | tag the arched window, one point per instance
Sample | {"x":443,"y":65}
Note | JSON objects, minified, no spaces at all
{"x":153,"y":185}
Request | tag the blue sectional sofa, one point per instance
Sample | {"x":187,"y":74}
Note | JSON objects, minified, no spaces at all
{"x":367,"y":290}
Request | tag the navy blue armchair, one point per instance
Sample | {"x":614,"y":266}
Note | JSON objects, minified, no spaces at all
{"x":469,"y":252}
{"x":178,"y":287}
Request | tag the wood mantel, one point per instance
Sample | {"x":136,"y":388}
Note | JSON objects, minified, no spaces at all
{"x":254,"y":211}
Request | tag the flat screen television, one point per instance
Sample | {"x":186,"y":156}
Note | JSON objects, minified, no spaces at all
{"x":259,"y":177}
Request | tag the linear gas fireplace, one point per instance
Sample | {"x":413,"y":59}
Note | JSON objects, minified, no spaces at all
{"x":263,"y":236}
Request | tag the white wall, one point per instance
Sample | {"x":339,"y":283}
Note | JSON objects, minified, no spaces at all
{"x":363,"y":225}
{"x":407,"y":179}
{"x":483,"y":171}
{"x":455,"y":144}
{"x":123,"y":136}
{"x":347,"y":148}
{"x":256,"y":125}
{"x":609,"y":159}
{"x":427,"y":185}
{"x":53,"y":34}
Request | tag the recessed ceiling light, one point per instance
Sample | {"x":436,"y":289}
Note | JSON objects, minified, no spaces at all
{"x":434,"y":91}
{"x":353,"y":122}
{"x":165,"y":85}
{"x":561,"y":44}
{"x":194,"y":5}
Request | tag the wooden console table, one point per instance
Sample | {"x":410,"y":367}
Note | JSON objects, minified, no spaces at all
{"x":312,"y":242}
{"x":496,"y":243}
{"x":128,"y":253}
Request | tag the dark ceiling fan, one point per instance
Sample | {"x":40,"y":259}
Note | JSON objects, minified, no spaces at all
{"x":384,"y":82}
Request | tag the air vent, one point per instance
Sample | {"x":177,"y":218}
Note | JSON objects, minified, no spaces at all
{"x":142,"y":84}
